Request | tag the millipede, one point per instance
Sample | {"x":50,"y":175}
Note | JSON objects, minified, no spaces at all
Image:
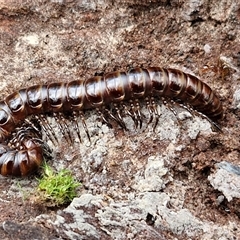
{"x":108,"y":94}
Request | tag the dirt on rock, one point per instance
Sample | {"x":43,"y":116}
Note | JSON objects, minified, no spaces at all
{"x":179,"y":181}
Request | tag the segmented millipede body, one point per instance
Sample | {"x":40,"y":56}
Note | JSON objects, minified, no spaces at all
{"x":97,"y":92}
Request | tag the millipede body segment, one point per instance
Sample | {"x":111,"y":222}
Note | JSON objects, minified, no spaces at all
{"x":97,"y":92}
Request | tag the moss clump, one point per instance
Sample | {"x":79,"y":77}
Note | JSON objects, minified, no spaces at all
{"x":57,"y":188}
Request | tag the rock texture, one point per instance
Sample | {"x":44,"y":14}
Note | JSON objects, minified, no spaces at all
{"x":177,"y":182}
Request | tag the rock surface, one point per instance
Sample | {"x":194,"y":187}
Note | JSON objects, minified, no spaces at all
{"x":137,"y":184}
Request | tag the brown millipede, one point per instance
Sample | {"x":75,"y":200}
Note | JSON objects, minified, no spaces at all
{"x":97,"y":92}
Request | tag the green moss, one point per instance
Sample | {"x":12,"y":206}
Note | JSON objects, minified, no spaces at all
{"x":57,"y":188}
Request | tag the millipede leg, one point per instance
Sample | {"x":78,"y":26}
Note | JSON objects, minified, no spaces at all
{"x":150,"y":110}
{"x":23,"y":133}
{"x":138,"y":113}
{"x":132,"y":114}
{"x":213,"y":124}
{"x":42,"y":120}
{"x":62,"y":126}
{"x":102,"y":114}
{"x":119,"y":117}
{"x":85,"y":126}
{"x":106,"y":113}
{"x":169,"y":105}
{"x":128,"y":113}
{"x":33,"y":126}
{"x":75,"y":124}
{"x":155,"y":112}
{"x":19,"y":136}
{"x":28,"y":128}
{"x":66,"y":128}
{"x":186,"y":107}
